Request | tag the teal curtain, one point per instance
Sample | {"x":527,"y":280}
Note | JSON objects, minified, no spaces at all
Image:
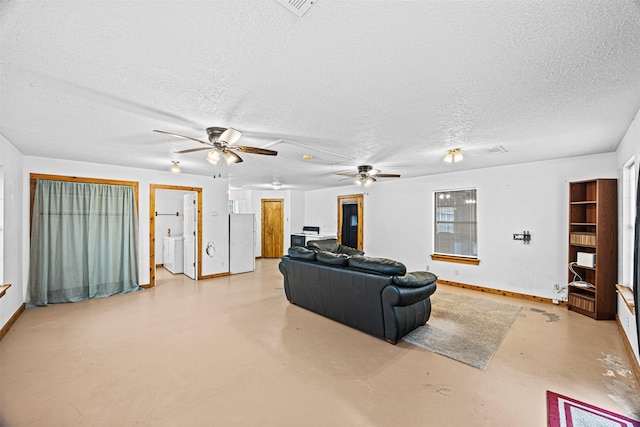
{"x":83,"y":242}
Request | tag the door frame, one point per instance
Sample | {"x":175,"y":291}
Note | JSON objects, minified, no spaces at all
{"x":152,"y":227}
{"x":262,"y":219}
{"x":359,"y":200}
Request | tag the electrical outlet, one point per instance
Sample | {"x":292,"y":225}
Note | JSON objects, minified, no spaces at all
{"x":456,"y":272}
{"x":427,"y":267}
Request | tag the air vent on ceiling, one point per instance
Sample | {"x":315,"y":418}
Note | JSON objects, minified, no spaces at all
{"x":299,"y":7}
{"x":497,"y":149}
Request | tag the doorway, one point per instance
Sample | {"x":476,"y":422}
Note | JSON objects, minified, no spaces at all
{"x":272,"y":228}
{"x":193,"y":228}
{"x":350,"y":220}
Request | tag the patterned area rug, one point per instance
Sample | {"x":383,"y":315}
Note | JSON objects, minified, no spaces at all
{"x":464,"y":328}
{"x":563,"y":411}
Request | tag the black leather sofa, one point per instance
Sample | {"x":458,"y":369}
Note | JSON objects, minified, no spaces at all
{"x":374,"y":295}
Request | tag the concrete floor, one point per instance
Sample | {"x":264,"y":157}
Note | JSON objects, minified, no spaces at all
{"x":233,"y":351}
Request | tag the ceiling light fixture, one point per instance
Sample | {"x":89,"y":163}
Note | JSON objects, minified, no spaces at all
{"x":453,"y":156}
{"x":276,"y":185}
{"x":214,"y":156}
{"x":175,"y":168}
{"x":365,"y":179}
{"x":230,"y":157}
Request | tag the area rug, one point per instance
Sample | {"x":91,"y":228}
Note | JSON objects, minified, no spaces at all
{"x":463,"y":328}
{"x":563,"y":411}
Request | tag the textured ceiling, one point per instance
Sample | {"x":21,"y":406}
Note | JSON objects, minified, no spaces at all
{"x":394,"y":84}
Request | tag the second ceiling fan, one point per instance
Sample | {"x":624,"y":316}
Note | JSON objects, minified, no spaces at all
{"x":221,"y":143}
{"x":367,"y":175}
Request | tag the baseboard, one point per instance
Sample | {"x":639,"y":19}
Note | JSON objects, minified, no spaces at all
{"x":213,"y":276}
{"x":499,"y":292}
{"x":11,"y":321}
{"x":627,"y":345}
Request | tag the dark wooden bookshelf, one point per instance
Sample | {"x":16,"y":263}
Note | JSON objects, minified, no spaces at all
{"x":593,"y":219}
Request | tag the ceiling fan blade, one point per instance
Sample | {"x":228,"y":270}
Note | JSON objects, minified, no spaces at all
{"x":230,"y":136}
{"x":374,"y":172}
{"x":191,"y":150}
{"x":255,"y":150}
{"x":182,"y":136}
{"x":387,"y":175}
{"x":351,"y":175}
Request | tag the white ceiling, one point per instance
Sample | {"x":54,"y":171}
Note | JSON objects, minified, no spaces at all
{"x":394,"y":84}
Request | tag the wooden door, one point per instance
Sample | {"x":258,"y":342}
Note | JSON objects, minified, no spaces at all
{"x":272,"y":228}
{"x":352,"y":199}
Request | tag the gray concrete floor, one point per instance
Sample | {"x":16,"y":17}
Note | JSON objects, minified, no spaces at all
{"x":233,"y":351}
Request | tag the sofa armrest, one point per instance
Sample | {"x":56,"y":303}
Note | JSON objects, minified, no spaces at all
{"x":394,"y":295}
{"x":405,"y":309}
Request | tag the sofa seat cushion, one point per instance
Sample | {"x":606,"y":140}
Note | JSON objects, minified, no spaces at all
{"x":415,"y":279}
{"x":384,"y":266}
{"x":331,"y":258}
{"x":300,"y":252}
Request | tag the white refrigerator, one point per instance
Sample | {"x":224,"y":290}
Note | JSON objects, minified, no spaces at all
{"x":242,"y":230}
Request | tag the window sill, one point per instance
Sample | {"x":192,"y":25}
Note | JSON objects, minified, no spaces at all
{"x":456,"y":259}
{"x":3,"y":289}
{"x":627,"y":295}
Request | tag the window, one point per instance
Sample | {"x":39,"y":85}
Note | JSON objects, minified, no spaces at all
{"x":455,"y":225}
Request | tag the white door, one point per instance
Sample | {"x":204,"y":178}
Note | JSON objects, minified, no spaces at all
{"x":241,"y":243}
{"x":190,"y":215}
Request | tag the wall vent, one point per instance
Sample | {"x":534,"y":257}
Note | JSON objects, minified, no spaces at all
{"x":496,"y":150}
{"x":299,"y":7}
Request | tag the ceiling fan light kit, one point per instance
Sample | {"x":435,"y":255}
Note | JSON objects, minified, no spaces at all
{"x":366,"y":180}
{"x":453,"y":156}
{"x":175,"y":168}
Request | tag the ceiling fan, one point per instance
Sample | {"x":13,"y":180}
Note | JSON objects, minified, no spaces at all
{"x":221,"y":143}
{"x":367,"y":175}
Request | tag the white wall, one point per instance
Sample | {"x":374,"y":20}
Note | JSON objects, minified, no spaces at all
{"x":14,"y":231}
{"x":398,"y":218}
{"x":629,"y":147}
{"x":215,"y":226}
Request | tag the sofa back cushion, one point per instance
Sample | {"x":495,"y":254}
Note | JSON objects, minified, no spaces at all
{"x":415,"y":279}
{"x":348,"y":250}
{"x":331,"y":258}
{"x":385,"y":266}
{"x":326,"y":245}
{"x":300,"y":252}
